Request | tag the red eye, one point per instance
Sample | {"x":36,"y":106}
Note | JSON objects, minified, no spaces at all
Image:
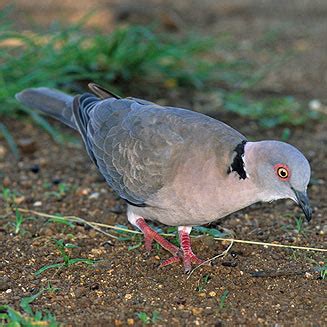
{"x":282,"y":172}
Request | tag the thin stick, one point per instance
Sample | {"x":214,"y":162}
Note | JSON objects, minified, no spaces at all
{"x":70,"y":218}
{"x":271,"y":244}
{"x":91,"y":224}
{"x":223,"y":254}
{"x":94,"y":225}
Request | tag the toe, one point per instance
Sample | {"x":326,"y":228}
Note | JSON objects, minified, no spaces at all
{"x":170,"y":261}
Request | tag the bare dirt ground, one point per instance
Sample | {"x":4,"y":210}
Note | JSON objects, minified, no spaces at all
{"x":128,"y":281}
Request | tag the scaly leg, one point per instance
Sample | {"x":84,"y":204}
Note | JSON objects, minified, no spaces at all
{"x":150,"y":235}
{"x":187,"y":256}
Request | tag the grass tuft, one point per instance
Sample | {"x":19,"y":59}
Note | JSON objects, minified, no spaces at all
{"x":10,"y":140}
{"x":269,"y":112}
{"x":222,"y":300}
{"x":68,"y":58}
{"x":137,"y":60}
{"x":10,"y":317}
{"x":66,"y":259}
{"x":146,"y":319}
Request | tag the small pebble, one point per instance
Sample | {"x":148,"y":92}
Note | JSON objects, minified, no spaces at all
{"x":128,"y":296}
{"x":37,"y":204}
{"x":197,"y":311}
{"x":229,"y":263}
{"x":56,"y":180}
{"x":315,"y":105}
{"x":35,"y":168}
{"x":94,"y":195}
{"x":83,"y":191}
{"x":308,"y":275}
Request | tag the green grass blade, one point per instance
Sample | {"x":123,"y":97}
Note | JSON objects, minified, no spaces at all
{"x":15,"y":317}
{"x":42,"y":122}
{"x":10,"y":140}
{"x":26,"y":301}
{"x":45,"y":268}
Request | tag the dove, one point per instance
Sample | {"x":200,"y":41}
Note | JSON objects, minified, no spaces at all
{"x":175,"y":166}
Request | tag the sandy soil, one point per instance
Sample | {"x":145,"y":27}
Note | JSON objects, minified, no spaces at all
{"x":127,"y":282}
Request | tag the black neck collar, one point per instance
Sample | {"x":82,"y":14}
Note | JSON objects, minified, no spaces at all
{"x":238,"y":163}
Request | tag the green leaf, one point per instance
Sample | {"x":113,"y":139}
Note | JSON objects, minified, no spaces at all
{"x":45,"y":268}
{"x":143,"y":317}
{"x":25,"y":302}
{"x":38,"y":315}
{"x":155,"y":317}
{"x":223,"y":299}
{"x":132,"y":247}
{"x":15,"y":316}
{"x":121,"y":226}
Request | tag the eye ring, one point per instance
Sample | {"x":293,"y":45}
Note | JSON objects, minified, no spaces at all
{"x":282,"y":172}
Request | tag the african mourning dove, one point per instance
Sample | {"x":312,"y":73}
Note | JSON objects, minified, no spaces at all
{"x":175,"y":166}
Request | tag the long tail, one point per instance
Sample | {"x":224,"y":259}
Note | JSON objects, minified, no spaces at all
{"x":54,"y":103}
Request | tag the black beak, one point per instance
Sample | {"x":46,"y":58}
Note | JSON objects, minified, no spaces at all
{"x":304,"y":203}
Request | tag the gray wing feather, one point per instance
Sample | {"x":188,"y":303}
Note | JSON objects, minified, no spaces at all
{"x":137,"y":145}
{"x":133,"y":156}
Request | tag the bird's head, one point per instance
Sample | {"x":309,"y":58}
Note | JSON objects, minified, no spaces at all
{"x":280,"y":171}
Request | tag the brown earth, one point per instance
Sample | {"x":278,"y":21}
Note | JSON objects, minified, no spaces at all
{"x":127,"y":282}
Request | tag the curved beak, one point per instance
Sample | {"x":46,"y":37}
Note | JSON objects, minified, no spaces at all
{"x":304,"y":203}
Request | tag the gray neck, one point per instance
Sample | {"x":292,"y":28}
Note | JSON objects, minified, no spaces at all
{"x":251,"y":159}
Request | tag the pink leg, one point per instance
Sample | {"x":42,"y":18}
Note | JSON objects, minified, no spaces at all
{"x":188,"y":256}
{"x":150,"y":235}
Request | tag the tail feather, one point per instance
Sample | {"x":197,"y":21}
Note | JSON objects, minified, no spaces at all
{"x":52,"y":102}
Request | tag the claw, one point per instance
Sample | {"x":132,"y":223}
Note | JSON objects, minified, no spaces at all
{"x":170,"y":261}
{"x":185,"y":253}
{"x":188,"y":260}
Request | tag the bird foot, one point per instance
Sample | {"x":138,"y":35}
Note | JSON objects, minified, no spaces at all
{"x":184,"y":253}
{"x":188,"y":260}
